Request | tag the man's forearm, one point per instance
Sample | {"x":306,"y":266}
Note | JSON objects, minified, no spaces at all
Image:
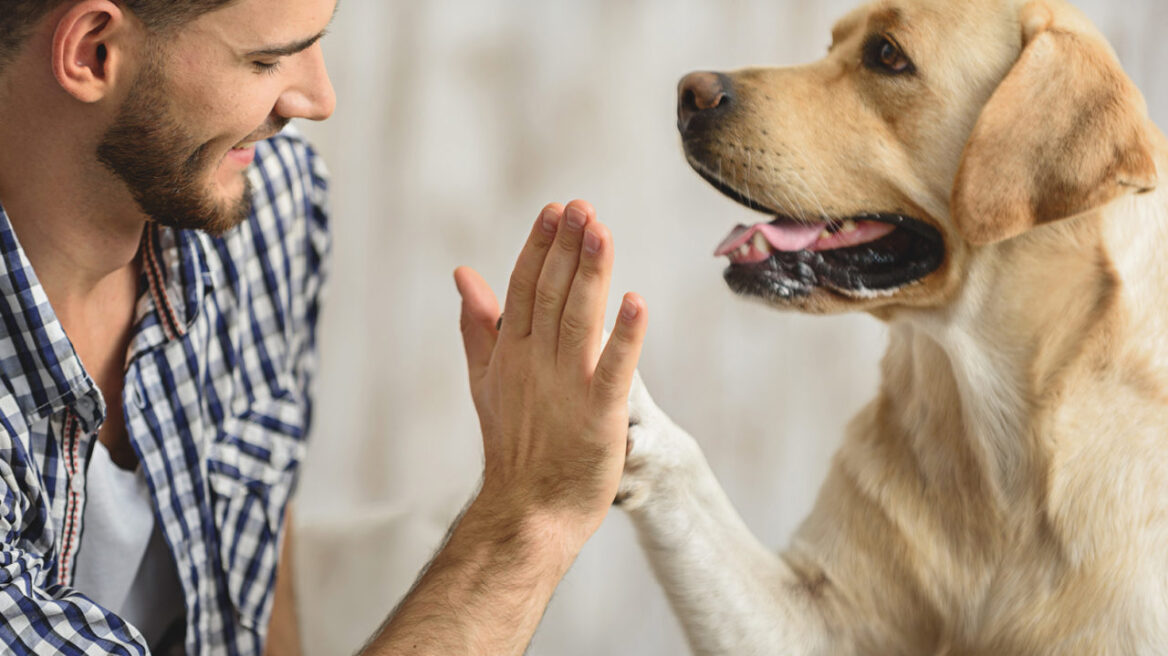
{"x":484,"y":593}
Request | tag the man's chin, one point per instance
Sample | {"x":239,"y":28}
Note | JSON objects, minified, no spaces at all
{"x":216,"y":214}
{"x":231,"y":198}
{"x":231,"y":214}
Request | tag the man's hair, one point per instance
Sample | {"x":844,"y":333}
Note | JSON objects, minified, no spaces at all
{"x":17,"y":17}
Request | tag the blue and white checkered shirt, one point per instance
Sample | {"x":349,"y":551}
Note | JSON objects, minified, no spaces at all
{"x":217,"y":408}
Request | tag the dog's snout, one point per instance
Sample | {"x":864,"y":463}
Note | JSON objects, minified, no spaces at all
{"x":701,"y":92}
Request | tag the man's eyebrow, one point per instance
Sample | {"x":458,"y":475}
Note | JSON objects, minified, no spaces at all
{"x":287,"y":49}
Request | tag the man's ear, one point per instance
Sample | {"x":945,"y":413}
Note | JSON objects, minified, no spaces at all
{"x":89,"y":45}
{"x":1064,"y":133}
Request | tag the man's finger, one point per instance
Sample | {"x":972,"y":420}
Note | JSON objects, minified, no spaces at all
{"x":558,"y":271}
{"x":618,"y":362}
{"x":582,"y":323}
{"x":525,"y":277}
{"x":480,"y":310}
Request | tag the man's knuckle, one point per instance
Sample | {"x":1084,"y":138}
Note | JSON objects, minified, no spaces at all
{"x":575,"y":328}
{"x":521,"y":284}
{"x":622,"y":340}
{"x":546,"y":299}
{"x":567,"y":246}
{"x":604,"y":381}
{"x":589,"y":272}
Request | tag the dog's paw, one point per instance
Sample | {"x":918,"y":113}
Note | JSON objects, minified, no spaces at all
{"x":634,"y":486}
{"x":656,"y":446}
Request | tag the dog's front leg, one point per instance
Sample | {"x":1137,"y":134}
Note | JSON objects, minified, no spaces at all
{"x":732,"y":594}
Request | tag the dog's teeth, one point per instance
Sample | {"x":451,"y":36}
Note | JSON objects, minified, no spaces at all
{"x":849,"y":226}
{"x":826,"y":234}
{"x":743,"y":250}
{"x":761,"y":243}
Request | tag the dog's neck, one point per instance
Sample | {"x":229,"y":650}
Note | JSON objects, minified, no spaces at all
{"x":971,"y":388}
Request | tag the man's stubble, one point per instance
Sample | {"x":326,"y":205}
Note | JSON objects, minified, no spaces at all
{"x":166,"y":169}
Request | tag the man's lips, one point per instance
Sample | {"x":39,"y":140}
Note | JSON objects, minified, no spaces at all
{"x":243,"y":153}
{"x":242,"y":156}
{"x":263,"y":133}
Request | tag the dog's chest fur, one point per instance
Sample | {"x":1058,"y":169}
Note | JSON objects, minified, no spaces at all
{"x":1010,"y":481}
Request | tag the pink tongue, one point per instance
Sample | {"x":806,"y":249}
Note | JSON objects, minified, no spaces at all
{"x":787,"y":237}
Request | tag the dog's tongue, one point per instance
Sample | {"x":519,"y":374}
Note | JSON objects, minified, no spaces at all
{"x":784,"y":236}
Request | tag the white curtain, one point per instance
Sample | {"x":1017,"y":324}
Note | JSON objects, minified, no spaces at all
{"x":456,"y":122}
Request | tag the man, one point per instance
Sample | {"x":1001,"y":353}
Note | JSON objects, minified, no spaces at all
{"x":164,"y":244}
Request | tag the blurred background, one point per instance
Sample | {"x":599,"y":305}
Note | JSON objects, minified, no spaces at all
{"x":457,"y":121}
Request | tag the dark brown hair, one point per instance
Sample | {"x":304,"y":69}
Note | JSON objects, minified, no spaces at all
{"x":17,"y":17}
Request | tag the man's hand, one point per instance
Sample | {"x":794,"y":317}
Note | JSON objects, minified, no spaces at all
{"x":551,"y":403}
{"x":553,"y":409}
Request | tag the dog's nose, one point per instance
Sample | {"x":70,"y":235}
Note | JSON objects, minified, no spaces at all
{"x":701,"y":92}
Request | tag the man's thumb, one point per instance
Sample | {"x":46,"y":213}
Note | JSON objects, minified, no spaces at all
{"x":480,"y":312}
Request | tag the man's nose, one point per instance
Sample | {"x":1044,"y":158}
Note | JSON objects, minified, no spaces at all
{"x":703,"y":93}
{"x":312,"y":97}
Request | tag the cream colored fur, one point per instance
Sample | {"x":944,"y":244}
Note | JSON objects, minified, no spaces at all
{"x":1007,"y":490}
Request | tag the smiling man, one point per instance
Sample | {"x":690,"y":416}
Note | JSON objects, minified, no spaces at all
{"x":164,"y":241}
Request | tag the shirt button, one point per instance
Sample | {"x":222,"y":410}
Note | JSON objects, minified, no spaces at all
{"x":85,"y":405}
{"x":77,"y":484}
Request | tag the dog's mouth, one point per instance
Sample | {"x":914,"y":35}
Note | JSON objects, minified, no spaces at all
{"x":858,"y":256}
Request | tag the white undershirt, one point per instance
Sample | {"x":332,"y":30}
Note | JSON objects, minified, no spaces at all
{"x":123,"y":562}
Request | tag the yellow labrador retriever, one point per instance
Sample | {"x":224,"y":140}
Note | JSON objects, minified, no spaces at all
{"x":982,"y":176}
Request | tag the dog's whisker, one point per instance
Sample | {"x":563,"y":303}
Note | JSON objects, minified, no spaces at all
{"x":795,"y":198}
{"x":810,"y":195}
{"x":821,"y":184}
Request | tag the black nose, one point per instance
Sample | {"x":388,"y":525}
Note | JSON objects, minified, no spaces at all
{"x":702,"y":93}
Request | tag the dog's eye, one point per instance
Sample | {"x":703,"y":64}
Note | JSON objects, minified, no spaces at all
{"x":883,"y":54}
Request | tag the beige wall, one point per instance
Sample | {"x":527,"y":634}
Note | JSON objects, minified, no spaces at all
{"x":457,"y":121}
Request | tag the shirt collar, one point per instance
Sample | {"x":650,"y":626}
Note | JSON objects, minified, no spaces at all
{"x":175,"y":283}
{"x":176,"y":274}
{"x":40,"y":368}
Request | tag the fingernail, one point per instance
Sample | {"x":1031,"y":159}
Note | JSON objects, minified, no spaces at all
{"x":576,"y":218}
{"x":629,"y":310}
{"x":549,"y":221}
{"x":591,"y":242}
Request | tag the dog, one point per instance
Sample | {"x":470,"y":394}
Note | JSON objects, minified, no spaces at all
{"x":981,"y":176}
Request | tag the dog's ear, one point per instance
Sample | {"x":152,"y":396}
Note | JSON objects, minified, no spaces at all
{"x":1064,"y":133}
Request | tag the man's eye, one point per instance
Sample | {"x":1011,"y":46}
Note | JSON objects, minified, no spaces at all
{"x":884,"y":55}
{"x":266,"y":67}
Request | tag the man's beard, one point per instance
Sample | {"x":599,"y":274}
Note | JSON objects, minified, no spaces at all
{"x":163,"y":166}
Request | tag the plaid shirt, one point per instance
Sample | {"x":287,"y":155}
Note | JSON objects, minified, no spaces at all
{"x":216,"y":405}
